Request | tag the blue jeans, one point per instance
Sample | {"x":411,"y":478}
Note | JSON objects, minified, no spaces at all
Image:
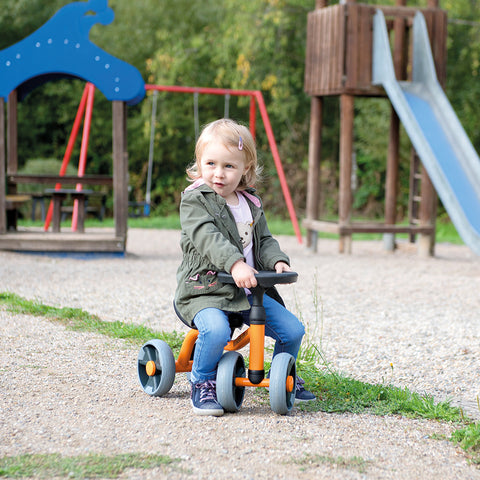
{"x":214,"y":333}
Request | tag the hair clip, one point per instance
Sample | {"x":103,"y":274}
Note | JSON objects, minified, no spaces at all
{"x":240,"y":143}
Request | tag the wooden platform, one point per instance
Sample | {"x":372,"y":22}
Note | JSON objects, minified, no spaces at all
{"x":36,"y":240}
{"x":361,"y":227}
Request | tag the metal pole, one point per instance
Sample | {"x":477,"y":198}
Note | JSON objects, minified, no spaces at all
{"x":226,"y":113}
{"x":68,"y":151}
{"x":146,"y":210}
{"x":84,"y":148}
{"x":195,"y":115}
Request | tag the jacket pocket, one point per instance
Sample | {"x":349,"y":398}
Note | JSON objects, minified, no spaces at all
{"x":203,"y":282}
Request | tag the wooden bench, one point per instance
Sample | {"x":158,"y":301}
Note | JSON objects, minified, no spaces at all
{"x":59,"y":196}
{"x":95,"y":204}
{"x":13,"y":179}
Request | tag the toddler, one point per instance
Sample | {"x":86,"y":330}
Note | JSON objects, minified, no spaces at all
{"x":224,"y":229}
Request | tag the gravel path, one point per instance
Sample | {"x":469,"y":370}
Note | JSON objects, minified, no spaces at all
{"x":382,"y":317}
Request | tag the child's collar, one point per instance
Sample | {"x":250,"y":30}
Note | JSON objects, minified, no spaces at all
{"x":197,"y":183}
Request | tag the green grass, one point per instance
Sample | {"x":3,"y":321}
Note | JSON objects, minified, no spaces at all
{"x":79,"y":320}
{"x":310,"y":460}
{"x":170,"y":222}
{"x":340,"y":394}
{"x":79,"y":467}
{"x":336,"y":393}
{"x":469,"y":439}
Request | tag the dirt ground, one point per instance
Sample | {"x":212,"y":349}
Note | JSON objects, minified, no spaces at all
{"x":381,"y":317}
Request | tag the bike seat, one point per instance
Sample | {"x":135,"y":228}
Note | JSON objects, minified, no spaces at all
{"x":265,"y":278}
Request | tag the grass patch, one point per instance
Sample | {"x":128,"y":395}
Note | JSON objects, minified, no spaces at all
{"x":79,"y":320}
{"x":311,"y":461}
{"x":340,"y":394}
{"x":84,"y":466}
{"x":469,"y":439}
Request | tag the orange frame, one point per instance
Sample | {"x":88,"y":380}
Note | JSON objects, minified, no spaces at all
{"x":254,"y":335}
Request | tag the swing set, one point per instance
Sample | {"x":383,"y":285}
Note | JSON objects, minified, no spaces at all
{"x":256,"y":99}
{"x":86,"y":108}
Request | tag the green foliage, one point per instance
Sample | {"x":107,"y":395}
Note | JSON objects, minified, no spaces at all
{"x":82,"y":466}
{"x":214,"y":47}
{"x":469,"y":439}
{"x":38,"y":166}
{"x":372,"y":120}
{"x":463,"y":67}
{"x":20,"y":18}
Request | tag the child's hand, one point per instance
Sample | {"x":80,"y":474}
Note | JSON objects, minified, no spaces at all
{"x":244,"y":275}
{"x":282,"y":267}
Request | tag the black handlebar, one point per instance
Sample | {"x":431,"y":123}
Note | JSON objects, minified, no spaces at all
{"x":265,"y":279}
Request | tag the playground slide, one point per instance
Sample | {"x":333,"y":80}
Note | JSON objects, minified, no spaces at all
{"x":433,"y":127}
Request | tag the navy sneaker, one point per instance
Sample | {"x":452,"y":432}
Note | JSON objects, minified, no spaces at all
{"x":204,"y":399}
{"x":302,"y":395}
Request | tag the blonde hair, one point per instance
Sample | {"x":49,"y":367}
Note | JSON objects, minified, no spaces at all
{"x":231,"y":135}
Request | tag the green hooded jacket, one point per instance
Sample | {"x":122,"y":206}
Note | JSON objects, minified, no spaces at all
{"x":210,"y":243}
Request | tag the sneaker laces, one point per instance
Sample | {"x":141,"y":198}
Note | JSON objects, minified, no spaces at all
{"x":300,"y":383}
{"x":207,"y":391}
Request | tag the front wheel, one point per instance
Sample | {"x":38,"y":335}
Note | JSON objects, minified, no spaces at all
{"x":156,"y":367}
{"x":230,"y":396}
{"x":282,"y":383}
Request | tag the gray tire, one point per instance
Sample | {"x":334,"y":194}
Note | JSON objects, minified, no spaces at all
{"x":230,"y":396}
{"x":156,"y":378}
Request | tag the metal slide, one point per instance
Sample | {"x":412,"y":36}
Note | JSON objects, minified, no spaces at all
{"x":433,"y":127}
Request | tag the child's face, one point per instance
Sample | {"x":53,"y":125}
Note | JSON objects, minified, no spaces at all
{"x":222,"y":169}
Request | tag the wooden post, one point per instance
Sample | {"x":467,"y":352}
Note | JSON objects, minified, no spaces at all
{"x":321,"y":3}
{"x":12,"y":149}
{"x":346,"y":151}
{"x":428,"y":213}
{"x":3,"y":218}
{"x":428,"y":202}
{"x":391,"y":181}
{"x":314,"y":154}
{"x":120,"y":168}
{"x":12,"y":136}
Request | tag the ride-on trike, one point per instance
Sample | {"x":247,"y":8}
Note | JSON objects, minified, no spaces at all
{"x":157,"y":366}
